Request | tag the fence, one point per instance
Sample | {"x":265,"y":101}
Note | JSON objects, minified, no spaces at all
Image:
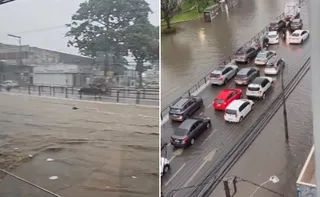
{"x":119,"y":95}
{"x":204,"y":79}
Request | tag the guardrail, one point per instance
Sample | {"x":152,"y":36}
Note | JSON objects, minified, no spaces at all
{"x":204,"y":79}
{"x":119,"y":95}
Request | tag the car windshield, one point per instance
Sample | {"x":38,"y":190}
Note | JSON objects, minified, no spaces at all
{"x":270,"y":65}
{"x":295,"y":35}
{"x":272,"y":35}
{"x":253,"y":88}
{"x":295,"y":23}
{"x":219,"y":101}
{"x":214,"y":75}
{"x":274,"y":24}
{"x":241,"y":74}
{"x":262,"y":55}
{"x":231,"y":111}
{"x":240,"y":52}
{"x":180,"y":132}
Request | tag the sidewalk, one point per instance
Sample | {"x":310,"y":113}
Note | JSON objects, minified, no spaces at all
{"x":269,"y":155}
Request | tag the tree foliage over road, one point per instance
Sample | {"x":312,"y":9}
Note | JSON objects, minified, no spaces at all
{"x":168,"y":7}
{"x":114,"y":29}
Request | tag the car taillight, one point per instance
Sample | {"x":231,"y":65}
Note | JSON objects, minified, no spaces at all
{"x":220,"y":78}
{"x":259,"y":92}
{"x":184,"y":141}
{"x":236,"y":115}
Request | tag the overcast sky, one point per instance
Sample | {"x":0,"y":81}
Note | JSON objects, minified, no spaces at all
{"x":41,"y":23}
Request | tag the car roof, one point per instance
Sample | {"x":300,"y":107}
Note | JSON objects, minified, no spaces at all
{"x":272,"y":33}
{"x":243,"y":49}
{"x":187,"y":124}
{"x":224,"y":94}
{"x":180,"y":103}
{"x":298,"y":31}
{"x":273,"y":59}
{"x":244,"y":70}
{"x":257,"y":80}
{"x":236,"y":104}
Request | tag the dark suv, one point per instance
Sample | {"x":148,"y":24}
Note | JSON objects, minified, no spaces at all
{"x":184,"y":108}
{"x":244,"y":54}
{"x":277,"y":25}
{"x":296,"y":24}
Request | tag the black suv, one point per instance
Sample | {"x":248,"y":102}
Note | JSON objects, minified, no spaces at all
{"x":296,"y":24}
{"x":244,"y":54}
{"x":184,"y":108}
{"x":277,"y":25}
{"x":189,"y":130}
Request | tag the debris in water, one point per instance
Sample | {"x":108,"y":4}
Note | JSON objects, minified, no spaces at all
{"x":53,"y":177}
{"x":16,"y":148}
{"x":74,"y":108}
{"x":50,"y":159}
{"x":134,"y":177}
{"x":30,"y":156}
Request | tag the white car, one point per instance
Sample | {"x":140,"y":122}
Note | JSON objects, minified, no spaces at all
{"x":273,"y":37}
{"x":263,"y":57}
{"x":237,"y":110}
{"x":274,"y":65}
{"x":165,"y":166}
{"x":298,"y":36}
{"x":10,"y":83}
{"x":259,"y":87}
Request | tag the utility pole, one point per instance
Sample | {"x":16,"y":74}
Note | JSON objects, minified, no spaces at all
{"x":314,"y":15}
{"x":285,"y":118}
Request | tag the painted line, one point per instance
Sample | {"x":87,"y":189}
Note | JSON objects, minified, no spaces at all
{"x":201,"y":113}
{"x":194,"y":174}
{"x":77,"y":100}
{"x":176,"y":153}
{"x":209,"y":106}
{"x":175,"y":174}
{"x":207,"y":138}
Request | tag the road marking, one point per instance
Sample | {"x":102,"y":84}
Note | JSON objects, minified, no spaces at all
{"x":207,"y":159}
{"x":207,"y":138}
{"x":176,"y":153}
{"x":201,"y":113}
{"x":209,"y":105}
{"x":175,"y":174}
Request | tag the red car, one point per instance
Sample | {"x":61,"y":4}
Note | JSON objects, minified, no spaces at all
{"x":225,"y":97}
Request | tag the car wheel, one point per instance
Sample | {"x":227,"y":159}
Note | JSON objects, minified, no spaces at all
{"x":264,"y":96}
{"x":208,"y":125}
{"x":241,"y":119}
{"x":192,"y":141}
{"x":166,"y":168}
{"x":252,"y":106}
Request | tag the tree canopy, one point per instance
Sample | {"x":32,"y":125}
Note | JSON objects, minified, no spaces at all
{"x":168,"y":7}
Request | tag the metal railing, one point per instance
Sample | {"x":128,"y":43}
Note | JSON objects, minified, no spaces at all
{"x":119,"y":95}
{"x":204,"y":79}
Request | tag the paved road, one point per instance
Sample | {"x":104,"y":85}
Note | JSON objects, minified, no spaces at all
{"x":189,"y":166}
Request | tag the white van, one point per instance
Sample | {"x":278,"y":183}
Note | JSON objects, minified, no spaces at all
{"x":165,"y":166}
{"x":237,"y":110}
{"x":291,"y":10}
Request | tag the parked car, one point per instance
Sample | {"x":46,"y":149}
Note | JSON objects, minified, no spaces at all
{"x":273,"y":37}
{"x":296,"y":24}
{"x":263,"y":57}
{"x":189,"y":130}
{"x":246,"y":75}
{"x":274,"y":65}
{"x":298,"y":36}
{"x":238,"y":110}
{"x":9,"y":83}
{"x":244,"y":54}
{"x":184,"y":108}
{"x":259,"y":87}
{"x":223,"y":74}
{"x":277,"y":25}
{"x":165,"y":166}
{"x":225,"y":97}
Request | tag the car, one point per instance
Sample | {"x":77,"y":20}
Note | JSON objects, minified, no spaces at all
{"x":244,"y":54}
{"x":296,"y":24}
{"x":246,"y":75}
{"x":298,"y":36}
{"x":184,"y":108}
{"x":165,"y":166}
{"x":225,"y":97}
{"x":259,"y":87}
{"x":274,"y":65}
{"x":238,"y":110}
{"x":273,"y":37}
{"x":223,"y":74}
{"x":277,"y":25}
{"x":263,"y":57}
{"x":10,"y":83}
{"x":189,"y":130}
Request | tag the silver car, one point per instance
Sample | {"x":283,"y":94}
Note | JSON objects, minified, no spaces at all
{"x":263,"y":57}
{"x":10,"y":83}
{"x":223,"y":74}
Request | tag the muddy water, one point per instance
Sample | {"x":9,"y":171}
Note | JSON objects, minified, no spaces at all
{"x":98,"y":150}
{"x":198,"y":46}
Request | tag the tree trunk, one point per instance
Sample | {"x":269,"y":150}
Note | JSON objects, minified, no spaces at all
{"x":167,"y":18}
{"x":105,"y":66}
{"x":140,"y":70}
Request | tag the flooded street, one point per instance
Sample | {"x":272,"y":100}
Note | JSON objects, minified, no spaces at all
{"x":198,"y":47}
{"x":97,"y":149}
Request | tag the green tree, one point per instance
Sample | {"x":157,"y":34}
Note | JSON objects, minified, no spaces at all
{"x":143,"y":43}
{"x":200,"y":5}
{"x":99,"y":26}
{"x":168,"y":8}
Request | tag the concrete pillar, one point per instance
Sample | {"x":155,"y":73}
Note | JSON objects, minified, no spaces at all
{"x":314,"y":15}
